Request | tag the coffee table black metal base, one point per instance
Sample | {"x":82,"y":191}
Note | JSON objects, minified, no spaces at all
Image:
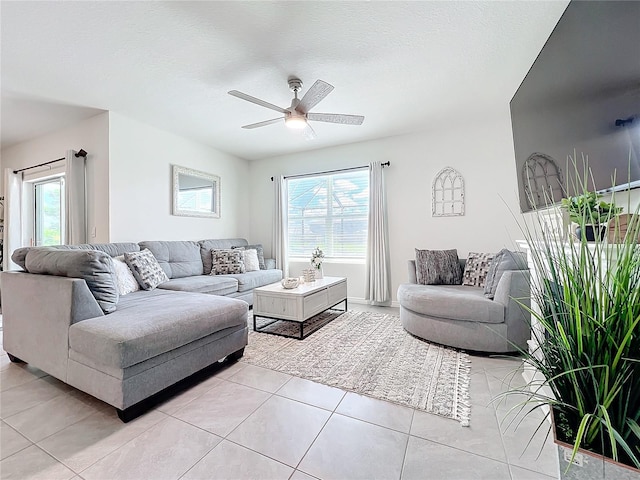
{"x":301,"y":335}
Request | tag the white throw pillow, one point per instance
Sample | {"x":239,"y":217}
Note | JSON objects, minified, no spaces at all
{"x":251,"y":261}
{"x":126,"y":282}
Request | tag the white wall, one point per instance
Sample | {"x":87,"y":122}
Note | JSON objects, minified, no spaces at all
{"x":140,"y":184}
{"x":482,"y":152}
{"x":92,"y":135}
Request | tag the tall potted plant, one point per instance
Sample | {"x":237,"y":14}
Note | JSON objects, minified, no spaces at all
{"x":587,"y":300}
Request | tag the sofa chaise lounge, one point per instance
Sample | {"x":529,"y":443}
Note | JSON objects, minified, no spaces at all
{"x":57,"y":322}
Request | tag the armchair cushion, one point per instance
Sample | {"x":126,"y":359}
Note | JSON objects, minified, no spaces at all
{"x":503,"y":261}
{"x":453,"y":302}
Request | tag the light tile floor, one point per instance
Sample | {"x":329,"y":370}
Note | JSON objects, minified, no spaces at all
{"x":246,"y":422}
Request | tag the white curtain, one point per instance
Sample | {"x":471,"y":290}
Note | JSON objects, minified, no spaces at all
{"x":281,"y":220}
{"x":75,"y":200}
{"x":378,"y":281}
{"x":12,"y":217}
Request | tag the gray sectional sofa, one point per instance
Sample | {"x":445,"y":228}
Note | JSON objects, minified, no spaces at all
{"x":152,"y":340}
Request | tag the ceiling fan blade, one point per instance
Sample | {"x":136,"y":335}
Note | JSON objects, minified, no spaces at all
{"x":314,"y":95}
{"x":257,"y":101}
{"x":265,"y":123}
{"x":336,"y":118}
{"x":309,"y":133}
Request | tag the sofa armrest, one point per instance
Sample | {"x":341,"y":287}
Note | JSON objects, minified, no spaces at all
{"x":270,"y":263}
{"x":411,"y":265}
{"x":514,"y":292}
{"x":37,"y":311}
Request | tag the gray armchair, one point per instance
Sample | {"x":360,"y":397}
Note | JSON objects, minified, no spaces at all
{"x":462,"y":317}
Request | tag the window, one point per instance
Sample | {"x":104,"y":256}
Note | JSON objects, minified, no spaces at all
{"x":329,"y":211}
{"x":49,"y":211}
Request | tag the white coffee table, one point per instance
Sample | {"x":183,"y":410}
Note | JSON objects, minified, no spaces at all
{"x":297,"y":304}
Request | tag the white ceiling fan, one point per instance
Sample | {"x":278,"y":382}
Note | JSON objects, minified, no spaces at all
{"x":297,"y":116}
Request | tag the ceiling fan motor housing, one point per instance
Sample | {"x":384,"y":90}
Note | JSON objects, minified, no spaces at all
{"x":295,"y":84}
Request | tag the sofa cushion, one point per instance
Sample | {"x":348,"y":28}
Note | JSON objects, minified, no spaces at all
{"x":111,"y":249}
{"x":476,"y":269}
{"x":438,"y":267}
{"x":259,"y":250}
{"x":503,"y":261}
{"x":148,"y":324}
{"x":177,"y":258}
{"x":250,"y":280}
{"x":146,"y":269}
{"x":94,"y":267}
{"x":454,"y":302}
{"x":207,"y":245}
{"x":212,"y":284}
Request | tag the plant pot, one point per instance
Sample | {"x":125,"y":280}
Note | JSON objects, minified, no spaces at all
{"x":588,"y":465}
{"x":591,"y":231}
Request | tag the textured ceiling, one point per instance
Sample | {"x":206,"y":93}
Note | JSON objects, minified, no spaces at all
{"x":403,"y":65}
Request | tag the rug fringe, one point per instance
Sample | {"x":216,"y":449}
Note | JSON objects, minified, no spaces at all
{"x":463,"y":406}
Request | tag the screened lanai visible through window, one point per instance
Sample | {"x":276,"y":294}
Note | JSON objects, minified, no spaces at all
{"x":329,"y":211}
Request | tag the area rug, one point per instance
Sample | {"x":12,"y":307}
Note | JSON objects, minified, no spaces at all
{"x":370,"y":354}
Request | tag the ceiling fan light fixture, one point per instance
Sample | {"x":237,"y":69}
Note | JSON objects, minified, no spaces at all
{"x":295,"y":122}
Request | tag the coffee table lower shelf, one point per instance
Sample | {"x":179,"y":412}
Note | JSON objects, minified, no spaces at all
{"x":301,"y":335}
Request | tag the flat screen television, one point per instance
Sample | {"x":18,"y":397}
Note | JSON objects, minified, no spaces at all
{"x":582,"y":96}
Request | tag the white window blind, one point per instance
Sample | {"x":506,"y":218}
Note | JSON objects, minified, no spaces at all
{"x":329,"y":211}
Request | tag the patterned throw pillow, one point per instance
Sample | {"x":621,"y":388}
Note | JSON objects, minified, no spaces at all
{"x":251,"y":262}
{"x":258,"y":248}
{"x":438,"y":267}
{"x":125,"y":281}
{"x":146,"y":269}
{"x":227,"y":261}
{"x":476,"y":269}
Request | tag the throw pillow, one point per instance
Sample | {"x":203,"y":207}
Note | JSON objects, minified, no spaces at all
{"x":503,"y":261}
{"x":438,"y":267}
{"x":125,"y":280}
{"x":476,"y":269}
{"x":251,"y":262}
{"x":227,"y":261}
{"x":146,"y":269}
{"x":258,"y":248}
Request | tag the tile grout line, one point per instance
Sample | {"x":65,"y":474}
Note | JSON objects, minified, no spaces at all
{"x":103,"y":456}
{"x":406,"y":447}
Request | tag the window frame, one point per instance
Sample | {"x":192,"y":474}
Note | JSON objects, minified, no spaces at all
{"x":60,"y":179}
{"x":329,"y":218}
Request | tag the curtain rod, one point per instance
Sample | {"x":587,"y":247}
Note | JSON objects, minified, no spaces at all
{"x":385,"y":164}
{"x":81,"y":153}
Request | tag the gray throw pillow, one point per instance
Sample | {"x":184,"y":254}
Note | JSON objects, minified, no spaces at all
{"x":438,"y":267}
{"x":227,"y":261}
{"x":95,"y":268}
{"x":476,"y":269}
{"x":503,"y":261}
{"x":144,"y":266}
{"x":258,"y":248}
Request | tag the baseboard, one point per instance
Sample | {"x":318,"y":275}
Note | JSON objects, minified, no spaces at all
{"x":362,"y":301}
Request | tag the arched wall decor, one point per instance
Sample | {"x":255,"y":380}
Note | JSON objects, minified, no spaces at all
{"x":542,"y":180}
{"x":447,"y":193}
